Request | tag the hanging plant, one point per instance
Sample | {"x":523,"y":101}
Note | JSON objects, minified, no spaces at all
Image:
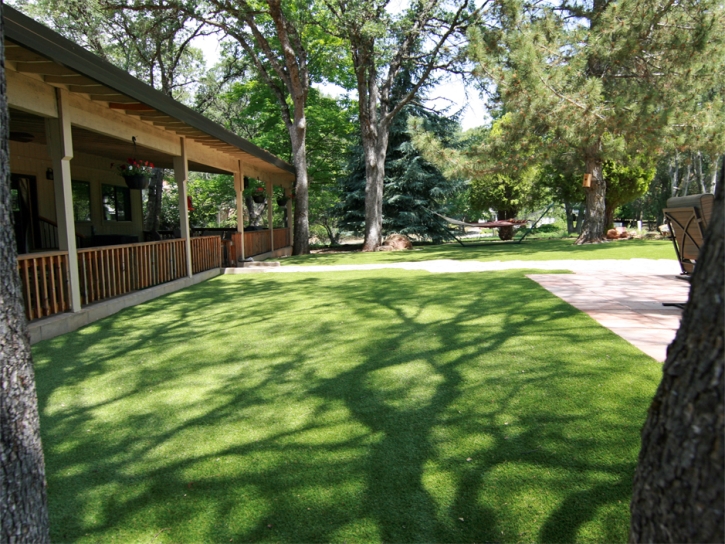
{"x":137,"y":174}
{"x":256,"y":190}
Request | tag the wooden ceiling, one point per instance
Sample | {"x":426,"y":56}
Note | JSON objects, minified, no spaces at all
{"x":29,"y":62}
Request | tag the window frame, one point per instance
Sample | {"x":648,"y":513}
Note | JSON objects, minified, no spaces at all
{"x":116,"y":190}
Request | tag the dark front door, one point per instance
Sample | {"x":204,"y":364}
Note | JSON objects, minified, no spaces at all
{"x":25,"y":211}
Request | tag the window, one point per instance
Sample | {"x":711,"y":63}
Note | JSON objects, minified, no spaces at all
{"x":81,"y":200}
{"x":116,"y":203}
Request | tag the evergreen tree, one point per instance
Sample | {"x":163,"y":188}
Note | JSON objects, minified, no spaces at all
{"x":413,"y":188}
{"x":606,"y":79}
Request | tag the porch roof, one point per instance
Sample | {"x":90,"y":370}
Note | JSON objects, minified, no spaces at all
{"x":35,"y":50}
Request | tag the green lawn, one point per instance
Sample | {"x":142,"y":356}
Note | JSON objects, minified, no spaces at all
{"x":374,"y":406}
{"x":529,"y":250}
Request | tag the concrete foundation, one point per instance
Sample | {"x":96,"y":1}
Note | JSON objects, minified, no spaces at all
{"x":55,"y":325}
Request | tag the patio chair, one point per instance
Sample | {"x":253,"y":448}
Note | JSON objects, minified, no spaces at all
{"x":687,"y":218}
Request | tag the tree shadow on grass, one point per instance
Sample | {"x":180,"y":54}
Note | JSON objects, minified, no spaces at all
{"x":331,"y":409}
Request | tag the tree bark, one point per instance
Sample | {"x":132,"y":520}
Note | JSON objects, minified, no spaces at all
{"x":153,"y":209}
{"x":23,"y":504}
{"x":376,"y":151}
{"x":256,"y":213}
{"x":298,"y":132}
{"x":678,"y":491}
{"x":593,"y":229}
{"x":569,"y":212}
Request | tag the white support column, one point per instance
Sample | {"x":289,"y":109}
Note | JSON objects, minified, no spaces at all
{"x":239,"y":187}
{"x":270,"y":211}
{"x":181,"y":175}
{"x":60,"y":144}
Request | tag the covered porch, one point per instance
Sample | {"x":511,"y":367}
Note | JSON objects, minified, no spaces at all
{"x":79,"y":226}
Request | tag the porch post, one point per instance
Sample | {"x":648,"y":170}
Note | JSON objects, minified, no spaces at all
{"x":60,"y":144}
{"x":181,"y":175}
{"x":270,"y":211}
{"x":239,"y":187}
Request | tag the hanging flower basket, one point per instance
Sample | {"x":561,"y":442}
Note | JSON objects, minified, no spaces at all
{"x":282,"y":201}
{"x":137,"y":181}
{"x":136,"y":173}
{"x":259,"y":195}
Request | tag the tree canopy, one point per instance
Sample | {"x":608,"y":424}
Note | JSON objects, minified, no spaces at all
{"x":604,"y":79}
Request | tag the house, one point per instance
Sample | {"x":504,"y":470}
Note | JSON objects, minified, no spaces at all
{"x":73,"y":116}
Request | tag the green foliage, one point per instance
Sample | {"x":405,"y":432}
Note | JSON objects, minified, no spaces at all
{"x":152,"y":45}
{"x":213,"y":198}
{"x":507,"y":195}
{"x":560,"y":178}
{"x":625,"y":183}
{"x":606,"y":79}
{"x":413,"y":187}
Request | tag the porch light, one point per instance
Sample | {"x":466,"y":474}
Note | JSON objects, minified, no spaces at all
{"x":49,"y":174}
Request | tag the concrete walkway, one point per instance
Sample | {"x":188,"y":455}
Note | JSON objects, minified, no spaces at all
{"x":625,"y":296}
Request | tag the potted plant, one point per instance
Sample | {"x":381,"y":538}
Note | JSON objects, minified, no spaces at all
{"x":282,"y":196}
{"x":256,"y":190}
{"x":137,"y":174}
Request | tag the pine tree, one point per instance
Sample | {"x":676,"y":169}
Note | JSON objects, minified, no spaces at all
{"x":605,"y":80}
{"x":413,"y":188}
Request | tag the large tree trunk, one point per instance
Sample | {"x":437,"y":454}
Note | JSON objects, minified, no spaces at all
{"x":256,"y":212}
{"x":153,"y":208}
{"x":376,"y":149}
{"x":23,"y":505}
{"x":678,"y":491}
{"x":593,"y":230}
{"x":298,"y":132}
{"x":506,"y":233}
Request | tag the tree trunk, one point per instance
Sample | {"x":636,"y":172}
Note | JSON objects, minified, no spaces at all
{"x":376,"y":150}
{"x":581,"y":216}
{"x":23,"y":504}
{"x":298,"y":132}
{"x":256,"y":213}
{"x":506,"y":233}
{"x":678,"y":486}
{"x":593,"y":229}
{"x":569,"y":212}
{"x":608,"y":215}
{"x":153,"y":208}
{"x":686,"y":181}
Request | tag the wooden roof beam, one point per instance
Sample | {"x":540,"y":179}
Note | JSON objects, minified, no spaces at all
{"x":44,"y":68}
{"x":19,"y":54}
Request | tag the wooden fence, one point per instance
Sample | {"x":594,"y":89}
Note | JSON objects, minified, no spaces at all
{"x":206,"y":253}
{"x":45,"y":282}
{"x":256,"y":242}
{"x":111,"y":271}
{"x":281,"y":238}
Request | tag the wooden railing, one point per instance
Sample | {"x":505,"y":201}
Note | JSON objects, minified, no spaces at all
{"x":256,"y":242}
{"x":48,"y":233}
{"x":281,"y":238}
{"x":206,"y":253}
{"x":111,"y":271}
{"x":44,"y":278}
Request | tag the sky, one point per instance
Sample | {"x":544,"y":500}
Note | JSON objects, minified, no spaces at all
{"x":453,"y":93}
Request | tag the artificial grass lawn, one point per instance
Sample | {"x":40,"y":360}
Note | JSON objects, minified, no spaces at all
{"x":528,"y":250}
{"x":366,"y":406}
